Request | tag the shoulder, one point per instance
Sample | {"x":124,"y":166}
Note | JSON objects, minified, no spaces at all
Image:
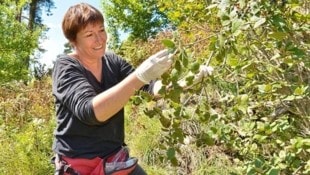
{"x":67,"y":61}
{"x":65,"y":64}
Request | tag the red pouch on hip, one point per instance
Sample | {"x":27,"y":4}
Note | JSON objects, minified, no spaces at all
{"x":120,"y":163}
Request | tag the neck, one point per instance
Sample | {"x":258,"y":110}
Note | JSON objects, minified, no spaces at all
{"x":88,"y":63}
{"x":93,"y":65}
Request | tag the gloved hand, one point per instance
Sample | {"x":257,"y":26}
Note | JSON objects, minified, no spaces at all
{"x":204,"y":71}
{"x":154,"y":66}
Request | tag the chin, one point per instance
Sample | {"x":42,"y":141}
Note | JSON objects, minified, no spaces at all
{"x":100,"y":52}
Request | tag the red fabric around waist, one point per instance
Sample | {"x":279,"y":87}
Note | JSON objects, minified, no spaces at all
{"x":95,"y":166}
{"x":86,"y":166}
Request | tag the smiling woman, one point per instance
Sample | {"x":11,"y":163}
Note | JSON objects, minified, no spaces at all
{"x":55,"y":41}
{"x":91,"y":87}
{"x":87,"y":36}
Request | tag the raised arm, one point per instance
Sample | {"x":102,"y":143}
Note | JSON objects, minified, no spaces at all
{"x":111,"y":101}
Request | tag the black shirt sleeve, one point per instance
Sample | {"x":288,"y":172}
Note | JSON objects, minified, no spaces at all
{"x":72,"y":90}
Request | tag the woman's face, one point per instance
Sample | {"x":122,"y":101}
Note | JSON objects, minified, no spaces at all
{"x":91,"y":41}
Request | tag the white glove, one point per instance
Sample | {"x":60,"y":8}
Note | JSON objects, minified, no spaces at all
{"x":204,"y":71}
{"x":154,"y":66}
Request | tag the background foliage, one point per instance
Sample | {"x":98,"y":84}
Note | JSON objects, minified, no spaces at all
{"x":26,"y":128}
{"x":20,"y":32}
{"x":254,"y":107}
{"x":250,"y":117}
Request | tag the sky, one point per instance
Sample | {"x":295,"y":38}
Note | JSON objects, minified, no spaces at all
{"x":54,"y":44}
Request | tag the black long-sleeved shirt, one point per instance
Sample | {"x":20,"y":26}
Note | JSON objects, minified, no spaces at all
{"x":78,"y":133}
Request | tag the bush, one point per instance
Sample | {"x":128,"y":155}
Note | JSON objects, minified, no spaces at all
{"x":27,"y":123}
{"x":255,"y":106}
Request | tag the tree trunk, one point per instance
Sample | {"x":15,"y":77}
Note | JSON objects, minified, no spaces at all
{"x":32,"y":13}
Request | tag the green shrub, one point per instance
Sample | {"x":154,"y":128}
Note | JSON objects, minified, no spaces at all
{"x":27,"y":123}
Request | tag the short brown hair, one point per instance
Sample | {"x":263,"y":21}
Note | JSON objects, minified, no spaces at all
{"x":78,"y":17}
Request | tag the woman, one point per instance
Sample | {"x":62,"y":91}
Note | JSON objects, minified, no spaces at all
{"x":91,"y":87}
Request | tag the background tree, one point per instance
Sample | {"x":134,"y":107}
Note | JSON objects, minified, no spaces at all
{"x":141,"y":19}
{"x":68,"y":48}
{"x":35,"y":8}
{"x":20,"y":36}
{"x":16,"y":45}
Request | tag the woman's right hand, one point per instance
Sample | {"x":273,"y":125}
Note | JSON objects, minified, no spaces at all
{"x":154,"y":66}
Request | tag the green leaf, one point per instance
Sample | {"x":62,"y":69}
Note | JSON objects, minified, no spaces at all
{"x":236,"y":25}
{"x":258,"y":163}
{"x":174,"y":161}
{"x":184,"y":60}
{"x":189,"y":80}
{"x":265,"y":88}
{"x":250,"y":171}
{"x":178,"y":133}
{"x":174,"y":94}
{"x":221,"y":41}
{"x":137,"y":100}
{"x":277,"y":35}
{"x":260,"y":137}
{"x":178,"y":66}
{"x":233,"y":62}
{"x":212,"y":45}
{"x":209,"y":141}
{"x":168,"y":43}
{"x":278,"y":21}
{"x":195,"y":67}
{"x":165,"y":78}
{"x":300,"y":90}
{"x":212,"y":6}
{"x":289,"y":98}
{"x":165,"y":122}
{"x":171,"y":153}
{"x":296,"y":52}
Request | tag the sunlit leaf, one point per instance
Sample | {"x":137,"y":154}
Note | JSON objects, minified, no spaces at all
{"x":233,"y":62}
{"x":260,"y":22}
{"x":273,"y":171}
{"x":289,"y":98}
{"x":265,"y":88}
{"x":236,"y":25}
{"x":212,"y":6}
{"x":277,"y":35}
{"x":300,"y":90}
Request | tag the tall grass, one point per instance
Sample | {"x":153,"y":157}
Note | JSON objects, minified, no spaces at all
{"x":26,"y":128}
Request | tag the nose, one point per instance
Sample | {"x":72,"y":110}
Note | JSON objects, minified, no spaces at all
{"x":99,"y":38}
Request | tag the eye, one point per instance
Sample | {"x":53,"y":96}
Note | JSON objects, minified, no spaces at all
{"x":89,"y":34}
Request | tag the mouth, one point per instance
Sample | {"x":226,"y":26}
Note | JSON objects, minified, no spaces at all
{"x":99,"y":47}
